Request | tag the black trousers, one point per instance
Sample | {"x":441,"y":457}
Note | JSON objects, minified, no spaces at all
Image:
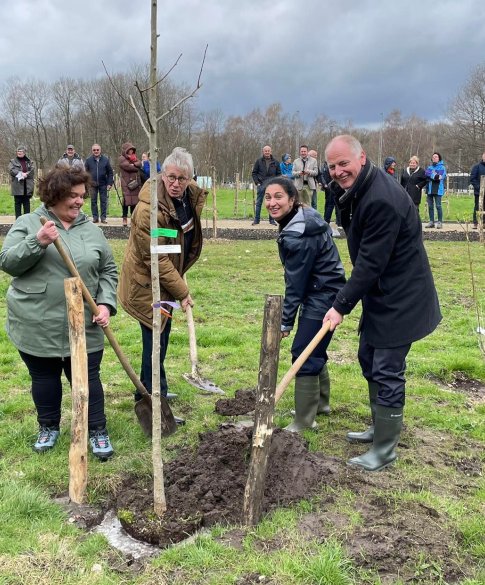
{"x":306,"y":331}
{"x":146,"y":358}
{"x":47,"y":388}
{"x":125,"y":210}
{"x":21,"y":201}
{"x":385,"y":367}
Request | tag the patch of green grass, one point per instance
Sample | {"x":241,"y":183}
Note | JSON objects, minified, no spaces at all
{"x":229,"y":283}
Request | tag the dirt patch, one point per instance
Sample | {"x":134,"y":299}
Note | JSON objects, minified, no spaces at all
{"x":243,"y":402}
{"x":381,"y":519}
{"x":474,"y":389}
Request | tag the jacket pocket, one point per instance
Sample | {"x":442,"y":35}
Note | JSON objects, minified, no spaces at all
{"x":29,"y":287}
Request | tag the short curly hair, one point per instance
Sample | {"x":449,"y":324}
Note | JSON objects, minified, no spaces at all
{"x":59,"y":181}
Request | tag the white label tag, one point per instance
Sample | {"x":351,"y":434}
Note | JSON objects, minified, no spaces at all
{"x":173,"y":249}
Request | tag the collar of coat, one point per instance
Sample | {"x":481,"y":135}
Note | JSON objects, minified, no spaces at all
{"x":367,"y":173}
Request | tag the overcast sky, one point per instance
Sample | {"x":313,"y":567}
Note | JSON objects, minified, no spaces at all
{"x":348,"y":59}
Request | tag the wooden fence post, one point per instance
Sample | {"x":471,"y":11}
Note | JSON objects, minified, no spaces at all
{"x":264,"y":411}
{"x":236,"y":195}
{"x":214,"y":204}
{"x":78,"y":459}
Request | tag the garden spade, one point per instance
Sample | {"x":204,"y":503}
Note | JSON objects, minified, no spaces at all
{"x":194,"y":377}
{"x":143,"y":407}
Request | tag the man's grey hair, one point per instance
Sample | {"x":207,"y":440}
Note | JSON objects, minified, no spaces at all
{"x":350,"y":140}
{"x":182,"y":159}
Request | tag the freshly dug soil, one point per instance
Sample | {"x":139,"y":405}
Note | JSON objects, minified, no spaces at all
{"x":207,"y":486}
{"x":243,"y":402}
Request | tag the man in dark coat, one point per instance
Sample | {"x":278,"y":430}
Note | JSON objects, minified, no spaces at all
{"x":99,"y":167}
{"x":392,"y":277}
{"x":264,"y":168}
{"x":477,"y":171}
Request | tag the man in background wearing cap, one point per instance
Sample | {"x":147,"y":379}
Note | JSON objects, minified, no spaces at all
{"x":22,"y":171}
{"x":71,"y":158}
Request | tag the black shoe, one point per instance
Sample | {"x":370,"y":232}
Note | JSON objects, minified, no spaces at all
{"x":95,"y":220}
{"x":180,"y":421}
{"x":272,"y":222}
{"x":255,"y":222}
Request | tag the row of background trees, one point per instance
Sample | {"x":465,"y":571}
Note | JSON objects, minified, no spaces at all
{"x":46,"y":116}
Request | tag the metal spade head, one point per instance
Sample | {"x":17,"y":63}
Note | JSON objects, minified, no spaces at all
{"x":202,"y":384}
{"x":144,"y":413}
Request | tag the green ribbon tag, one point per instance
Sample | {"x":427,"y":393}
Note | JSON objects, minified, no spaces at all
{"x":163,"y":232}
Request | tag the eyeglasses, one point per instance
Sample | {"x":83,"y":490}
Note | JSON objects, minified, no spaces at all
{"x":172,"y":178}
{"x":96,"y":149}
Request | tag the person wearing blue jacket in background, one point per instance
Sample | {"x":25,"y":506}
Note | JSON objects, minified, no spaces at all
{"x":286,"y":166}
{"x":477,"y":171}
{"x":313,"y":276}
{"x":436,"y":175}
{"x":145,"y":159}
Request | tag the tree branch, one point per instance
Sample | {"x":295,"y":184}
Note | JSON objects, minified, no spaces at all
{"x":191,"y":94}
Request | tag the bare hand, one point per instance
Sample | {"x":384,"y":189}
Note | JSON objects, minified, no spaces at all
{"x":285,"y":334}
{"x":48,"y":233}
{"x":185,"y":302}
{"x":334,"y":317}
{"x":102,"y":318}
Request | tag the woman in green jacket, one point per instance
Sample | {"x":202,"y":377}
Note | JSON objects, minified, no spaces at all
{"x":37,"y":321}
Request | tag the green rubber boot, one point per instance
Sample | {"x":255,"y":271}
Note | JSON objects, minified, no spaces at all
{"x":386,"y":436}
{"x":324,"y":401}
{"x":307,"y":395}
{"x":368,"y":435}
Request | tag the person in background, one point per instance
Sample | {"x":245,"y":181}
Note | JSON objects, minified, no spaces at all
{"x":330,"y":203}
{"x":305,"y":171}
{"x":313,"y":276}
{"x":22,"y":173}
{"x":286,"y":166}
{"x":477,"y":171}
{"x":436,"y":175}
{"x":145,"y":159}
{"x":314,"y":154}
{"x":130,"y":179}
{"x":180,"y":203}
{"x":71,"y":158}
{"x":413,"y":179}
{"x":99,"y":167}
{"x":390,"y":166}
{"x":37,"y":322}
{"x":264,"y":168}
{"x":392,"y":279}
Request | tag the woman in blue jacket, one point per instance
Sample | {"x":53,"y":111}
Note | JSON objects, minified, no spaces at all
{"x":436,"y":174}
{"x":286,"y":166}
{"x":313,"y":276}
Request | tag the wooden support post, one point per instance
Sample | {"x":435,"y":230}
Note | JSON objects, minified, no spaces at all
{"x":78,"y":453}
{"x":264,"y":411}
{"x":480,"y":218}
{"x":214,"y":204}
{"x":236,"y":195}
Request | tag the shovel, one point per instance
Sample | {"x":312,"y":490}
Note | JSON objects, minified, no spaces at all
{"x":143,"y":408}
{"x":194,"y":377}
{"x":302,"y":358}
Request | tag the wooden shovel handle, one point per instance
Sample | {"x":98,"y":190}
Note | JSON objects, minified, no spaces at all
{"x":291,"y":373}
{"x":94,"y":308}
{"x":192,"y":337}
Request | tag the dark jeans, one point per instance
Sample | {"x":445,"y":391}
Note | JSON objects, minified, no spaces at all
{"x":259,"y":204}
{"x":125,"y":210}
{"x":385,"y":367}
{"x":329,"y":207}
{"x":475,"y":208}
{"x":47,"y":388}
{"x":146,"y":358}
{"x":432,"y":201}
{"x":306,"y":331}
{"x":314,"y":199}
{"x":103,"y":197}
{"x":21,"y":201}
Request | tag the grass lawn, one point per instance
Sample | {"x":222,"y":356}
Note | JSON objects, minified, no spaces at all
{"x":456,"y":207}
{"x":444,"y":434}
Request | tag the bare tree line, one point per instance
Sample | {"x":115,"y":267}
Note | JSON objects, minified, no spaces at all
{"x":45,"y":117}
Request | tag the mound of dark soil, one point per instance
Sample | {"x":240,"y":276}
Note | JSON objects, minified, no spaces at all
{"x":207,"y":486}
{"x":243,"y":402}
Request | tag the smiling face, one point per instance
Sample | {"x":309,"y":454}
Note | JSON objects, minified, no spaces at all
{"x":344,"y":163}
{"x":68,"y":209}
{"x":435,"y":158}
{"x":303,"y":152}
{"x":413,"y":165}
{"x":277,"y":201}
{"x":267,"y":152}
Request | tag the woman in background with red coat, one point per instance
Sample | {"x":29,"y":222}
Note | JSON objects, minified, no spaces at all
{"x":130,"y":178}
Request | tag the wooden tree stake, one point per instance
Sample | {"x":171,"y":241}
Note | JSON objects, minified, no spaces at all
{"x":78,"y":453}
{"x":481,"y":217}
{"x":265,"y":401}
{"x":236,"y":195}
{"x":214,"y":204}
